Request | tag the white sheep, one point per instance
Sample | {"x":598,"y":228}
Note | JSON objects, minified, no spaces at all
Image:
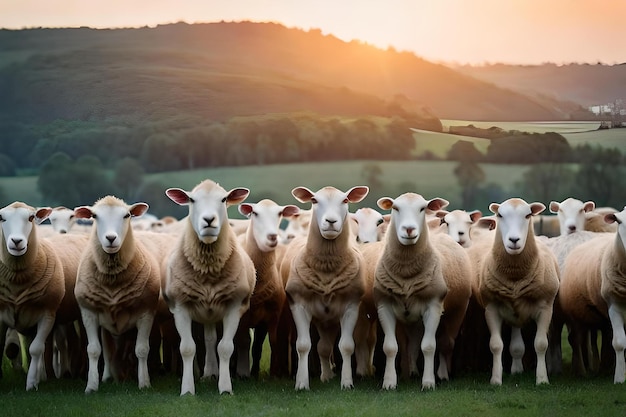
{"x":326,"y":281}
{"x":458,"y":224}
{"x":518,"y":280}
{"x":297,"y":226}
{"x":419,"y":277}
{"x":209,"y":279}
{"x":571,"y":214}
{"x":62,"y":219}
{"x":32,"y":284}
{"x":368,"y":224}
{"x":117,"y":286}
{"x":260,"y":242}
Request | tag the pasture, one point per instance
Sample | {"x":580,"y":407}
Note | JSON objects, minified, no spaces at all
{"x":464,"y":395}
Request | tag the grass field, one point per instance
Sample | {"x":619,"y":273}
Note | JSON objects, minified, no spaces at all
{"x":464,"y":395}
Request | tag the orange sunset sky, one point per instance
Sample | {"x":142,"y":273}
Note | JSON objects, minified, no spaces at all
{"x":461,"y":31}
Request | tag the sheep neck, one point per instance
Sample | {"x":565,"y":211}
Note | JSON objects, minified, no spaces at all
{"x":512,"y":275}
{"x":111,"y":264}
{"x":406,"y":269}
{"x":209,"y":258}
{"x":266,"y":269}
{"x":326,"y":255}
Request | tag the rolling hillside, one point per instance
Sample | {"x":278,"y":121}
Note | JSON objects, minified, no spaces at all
{"x":221,"y":70}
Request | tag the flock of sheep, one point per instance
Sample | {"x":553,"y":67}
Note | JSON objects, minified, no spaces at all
{"x":417,"y":290}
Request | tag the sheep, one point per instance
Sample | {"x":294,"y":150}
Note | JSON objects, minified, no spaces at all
{"x":594,"y":220}
{"x":31,"y":282}
{"x":517,"y":280}
{"x":325,"y":281}
{"x":298,"y":225}
{"x":62,"y":219}
{"x":571,"y":214}
{"x":459,"y":224}
{"x":209,"y":279}
{"x":368,"y":224}
{"x":419,"y":277}
{"x":260,"y":242}
{"x":117,"y":285}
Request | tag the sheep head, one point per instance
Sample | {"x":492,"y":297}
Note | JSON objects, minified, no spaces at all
{"x":620,"y":219}
{"x":571,"y":214}
{"x":408,"y":215}
{"x":459,"y":223}
{"x":265,"y":217}
{"x":16,"y":221}
{"x":514,"y":222}
{"x":208,"y":203}
{"x":330,"y":206}
{"x":111,"y":217}
{"x":368,"y":222}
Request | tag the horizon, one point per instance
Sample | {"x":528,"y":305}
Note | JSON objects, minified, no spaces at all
{"x":560,"y":32}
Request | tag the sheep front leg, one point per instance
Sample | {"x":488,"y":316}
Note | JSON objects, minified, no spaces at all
{"x":387,"y":320}
{"x":541,"y":344}
{"x":142,"y":348}
{"x":302,"y":319}
{"x":619,"y":342}
{"x":36,"y":350}
{"x":431,"y":319}
{"x":226,"y":346}
{"x":94,"y":349}
{"x":494,"y":323}
{"x":346,"y":343}
{"x":517,"y":348}
{"x":182,"y":320}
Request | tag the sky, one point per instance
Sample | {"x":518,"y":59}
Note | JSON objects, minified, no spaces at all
{"x":452,"y":31}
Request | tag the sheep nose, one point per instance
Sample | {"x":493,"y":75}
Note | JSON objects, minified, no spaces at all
{"x":514,"y":239}
{"x":16,"y":241}
{"x":461,"y":233}
{"x":110,"y":238}
{"x":409,"y":230}
{"x":208,"y":220}
{"x":63,"y":231}
{"x":272,"y":237}
{"x":331,"y":221}
{"x":572,"y":228}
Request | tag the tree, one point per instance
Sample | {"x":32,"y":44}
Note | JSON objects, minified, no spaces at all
{"x":546,"y":182}
{"x":56,"y":180}
{"x":469,"y":175}
{"x":7,"y":166}
{"x":128,"y":178}
{"x":464,"y":150}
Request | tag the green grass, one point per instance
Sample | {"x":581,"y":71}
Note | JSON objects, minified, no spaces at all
{"x":465,"y":395}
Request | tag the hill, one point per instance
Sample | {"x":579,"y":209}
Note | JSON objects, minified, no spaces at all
{"x":221,"y":70}
{"x":585,"y":84}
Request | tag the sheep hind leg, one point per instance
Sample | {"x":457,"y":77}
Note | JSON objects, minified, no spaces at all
{"x":211,"y":367}
{"x":619,"y":343}
{"x":325,"y":346}
{"x":517,"y":349}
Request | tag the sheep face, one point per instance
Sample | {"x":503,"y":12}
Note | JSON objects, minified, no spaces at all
{"x":368,"y":222}
{"x":62,"y":219}
{"x":330,"y":206}
{"x":514,"y":218}
{"x":17,"y":221}
{"x":459,"y":223}
{"x":408,"y":215}
{"x":112,"y":218}
{"x":265,"y":217}
{"x":208,"y":203}
{"x":571,"y":214}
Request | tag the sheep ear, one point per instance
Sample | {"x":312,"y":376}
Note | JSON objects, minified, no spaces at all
{"x":290,"y":210}
{"x":42,"y":214}
{"x":486,"y":223}
{"x":245,"y":209}
{"x":589,"y":206}
{"x":475,"y":215}
{"x":83,"y":212}
{"x":385,"y":203}
{"x":357,"y":194}
{"x":236,"y":196}
{"x":302,"y":194}
{"x":437,"y":204}
{"x":138,"y":209}
{"x":178,"y":196}
{"x":536,"y":208}
{"x":441,"y":213}
{"x":494,"y":207}
{"x":554,"y":207}
{"x":610,"y":218}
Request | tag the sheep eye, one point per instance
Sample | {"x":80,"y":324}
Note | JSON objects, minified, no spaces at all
{"x":31,"y":217}
{"x":224,"y":199}
{"x":528,"y":215}
{"x":71,"y":217}
{"x":1,"y":219}
{"x":379,"y":222}
{"x":498,"y":215}
{"x":255,"y":213}
{"x":346,"y":201}
{"x":127,"y":215}
{"x":443,"y":221}
{"x":422,"y":209}
{"x":93,"y":216}
{"x":191,"y":200}
{"x":313,"y":200}
{"x":395,"y":208}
